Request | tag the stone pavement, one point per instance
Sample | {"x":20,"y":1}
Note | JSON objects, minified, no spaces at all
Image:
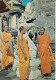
{"x":10,"y":75}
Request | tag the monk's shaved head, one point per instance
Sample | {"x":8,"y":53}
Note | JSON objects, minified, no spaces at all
{"x":42,"y":30}
{"x":22,"y":29}
{"x":6,"y":28}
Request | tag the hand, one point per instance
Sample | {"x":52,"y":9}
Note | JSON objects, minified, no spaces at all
{"x":7,"y":48}
{"x":6,"y":41}
{"x":25,"y":57}
{"x":30,"y":58}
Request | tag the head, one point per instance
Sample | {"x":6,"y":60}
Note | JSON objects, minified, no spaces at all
{"x":6,"y":28}
{"x":22,"y":29}
{"x":42,"y":30}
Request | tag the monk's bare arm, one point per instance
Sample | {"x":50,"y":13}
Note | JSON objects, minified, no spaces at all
{"x":50,"y":50}
{"x":1,"y":37}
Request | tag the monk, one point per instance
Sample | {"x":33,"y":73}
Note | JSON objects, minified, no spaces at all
{"x":23,"y":53}
{"x":7,"y":59}
{"x":43,"y":47}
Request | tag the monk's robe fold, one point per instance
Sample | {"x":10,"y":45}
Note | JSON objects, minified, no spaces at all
{"x":43,"y":46}
{"x":23,"y":64}
{"x":6,"y":58}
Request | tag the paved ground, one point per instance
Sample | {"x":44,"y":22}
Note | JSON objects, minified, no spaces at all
{"x":10,"y":75}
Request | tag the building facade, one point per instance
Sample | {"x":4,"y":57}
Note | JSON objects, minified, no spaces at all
{"x":44,"y":11}
{"x":11,"y":16}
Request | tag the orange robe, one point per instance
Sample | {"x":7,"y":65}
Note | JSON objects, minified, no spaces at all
{"x":23,"y":64}
{"x":43,"y":46}
{"x":6,"y":58}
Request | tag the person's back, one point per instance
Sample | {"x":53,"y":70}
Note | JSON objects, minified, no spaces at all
{"x":23,"y":54}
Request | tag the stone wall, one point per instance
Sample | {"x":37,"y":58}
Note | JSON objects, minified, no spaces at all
{"x":44,"y":11}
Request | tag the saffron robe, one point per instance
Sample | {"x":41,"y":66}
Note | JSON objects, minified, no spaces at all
{"x":6,"y":58}
{"x":23,"y":64}
{"x":43,"y":47}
